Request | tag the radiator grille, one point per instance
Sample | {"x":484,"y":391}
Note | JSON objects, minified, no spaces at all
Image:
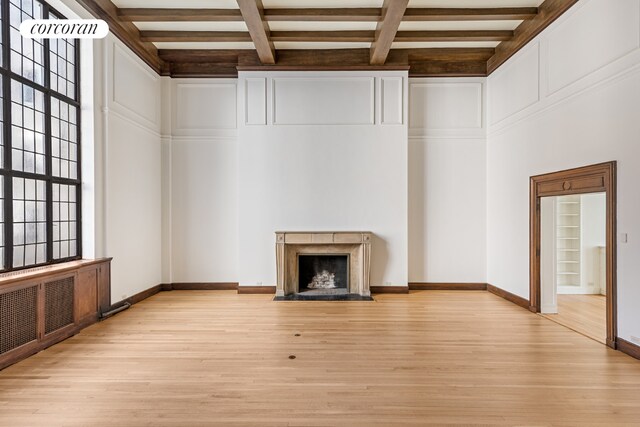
{"x":58,"y":306}
{"x":18,"y":320}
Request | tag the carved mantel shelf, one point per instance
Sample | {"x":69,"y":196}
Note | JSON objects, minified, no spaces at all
{"x":355,"y":244}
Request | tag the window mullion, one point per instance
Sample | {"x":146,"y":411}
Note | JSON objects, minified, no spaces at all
{"x":47,"y":141}
{"x":8,"y":181}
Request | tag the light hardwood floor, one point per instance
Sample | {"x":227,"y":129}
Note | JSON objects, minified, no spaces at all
{"x":585,"y":314}
{"x":195,"y":358}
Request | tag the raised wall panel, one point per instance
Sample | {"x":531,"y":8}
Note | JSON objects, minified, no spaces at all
{"x":323,"y":101}
{"x":87,"y":293}
{"x":445,"y":106}
{"x":516,"y":85}
{"x":136,"y":90}
{"x":392,"y":100}
{"x":205,"y":106}
{"x":256,"y":101}
{"x":596,"y":35}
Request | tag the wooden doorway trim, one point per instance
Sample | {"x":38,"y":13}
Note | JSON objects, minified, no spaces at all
{"x":600,"y":178}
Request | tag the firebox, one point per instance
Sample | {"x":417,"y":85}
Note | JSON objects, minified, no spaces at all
{"x":323,"y":274}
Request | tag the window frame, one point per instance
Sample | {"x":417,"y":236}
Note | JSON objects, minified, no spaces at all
{"x":8,"y":76}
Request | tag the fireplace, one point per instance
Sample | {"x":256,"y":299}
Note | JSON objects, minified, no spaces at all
{"x":323,"y":274}
{"x":323,"y":263}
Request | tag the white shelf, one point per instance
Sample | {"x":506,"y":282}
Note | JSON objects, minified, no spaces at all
{"x":567,"y":273}
{"x":569,"y":262}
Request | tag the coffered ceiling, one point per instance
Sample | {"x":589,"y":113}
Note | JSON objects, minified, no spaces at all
{"x":428,"y":37}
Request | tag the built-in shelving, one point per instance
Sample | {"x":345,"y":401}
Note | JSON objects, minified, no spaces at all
{"x":568,"y":241}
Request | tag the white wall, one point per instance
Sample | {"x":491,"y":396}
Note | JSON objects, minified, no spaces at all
{"x":322,"y":151}
{"x":569,"y":99}
{"x":121,"y":154}
{"x":447,"y":192}
{"x":131,"y":96}
{"x":202,"y":166}
{"x":593,"y":235}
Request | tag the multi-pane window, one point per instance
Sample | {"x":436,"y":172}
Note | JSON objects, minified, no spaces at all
{"x":39,"y":142}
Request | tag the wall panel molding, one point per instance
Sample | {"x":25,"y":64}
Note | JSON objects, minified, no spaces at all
{"x":610,"y":75}
{"x":205,"y":107}
{"x":604,"y":64}
{"x":134,"y":93}
{"x":522,"y":71}
{"x":392,"y":100}
{"x":449,"y":108}
{"x":615,"y":32}
{"x":323,"y":100}
{"x":255,"y":101}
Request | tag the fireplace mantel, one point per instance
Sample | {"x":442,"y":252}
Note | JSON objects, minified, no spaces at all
{"x":290,"y":244}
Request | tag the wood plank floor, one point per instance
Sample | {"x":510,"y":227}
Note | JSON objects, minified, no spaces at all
{"x":196,"y":358}
{"x":585,"y":314}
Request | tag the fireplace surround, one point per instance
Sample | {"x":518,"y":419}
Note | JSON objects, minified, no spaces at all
{"x":292,"y":245}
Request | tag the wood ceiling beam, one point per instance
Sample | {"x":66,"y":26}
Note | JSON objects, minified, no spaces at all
{"x":195,"y":36}
{"x":322,"y":36}
{"x":452,"y":36}
{"x":548,"y":12}
{"x":253,"y":15}
{"x":127,"y":32}
{"x":324,"y":14}
{"x":392,"y":13}
{"x":420,"y":62}
{"x":178,"y":15}
{"x":328,"y":14}
{"x":470,"y":14}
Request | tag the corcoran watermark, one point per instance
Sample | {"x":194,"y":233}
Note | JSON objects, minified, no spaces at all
{"x":64,"y":29}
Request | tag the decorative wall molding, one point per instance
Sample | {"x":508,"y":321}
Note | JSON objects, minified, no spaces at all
{"x":522,"y":71}
{"x":255,"y":101}
{"x":131,"y":121}
{"x":204,"y":107}
{"x":614,"y":33}
{"x":460,"y":112}
{"x":587,"y":85}
{"x":140,"y":96}
{"x":392,"y":100}
{"x":604,"y":65}
{"x":319,"y":100}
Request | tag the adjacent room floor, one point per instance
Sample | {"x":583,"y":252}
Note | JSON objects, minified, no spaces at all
{"x":585,"y":314}
{"x":190,"y":358}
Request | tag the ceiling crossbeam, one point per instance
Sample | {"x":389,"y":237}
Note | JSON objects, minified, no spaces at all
{"x":392,"y":13}
{"x":253,"y":14}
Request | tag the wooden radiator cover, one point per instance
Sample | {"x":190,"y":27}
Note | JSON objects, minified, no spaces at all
{"x":42,"y":306}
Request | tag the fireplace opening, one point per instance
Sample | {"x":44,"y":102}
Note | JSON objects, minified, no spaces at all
{"x":323,"y":274}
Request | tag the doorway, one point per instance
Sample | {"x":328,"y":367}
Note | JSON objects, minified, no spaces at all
{"x":573,"y":262}
{"x":573,"y":251}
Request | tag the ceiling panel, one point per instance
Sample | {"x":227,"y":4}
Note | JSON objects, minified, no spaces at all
{"x":474,"y":3}
{"x":320,"y":26}
{"x":192,"y":26}
{"x":457,"y":25}
{"x":204,"y":45}
{"x":413,"y":45}
{"x":320,"y":45}
{"x":173,"y":4}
